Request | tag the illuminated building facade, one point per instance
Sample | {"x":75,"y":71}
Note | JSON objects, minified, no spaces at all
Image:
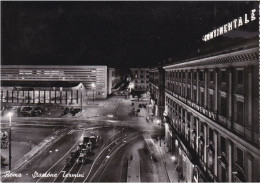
{"x":212,"y":115}
{"x":156,"y":89}
{"x":140,"y":77}
{"x":114,"y":78}
{"x":93,"y":78}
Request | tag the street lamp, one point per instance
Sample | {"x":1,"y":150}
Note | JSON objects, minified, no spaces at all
{"x":10,"y":114}
{"x":93,"y":86}
{"x":81,"y":98}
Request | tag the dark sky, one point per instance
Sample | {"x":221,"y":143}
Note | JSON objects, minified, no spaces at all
{"x":117,"y":34}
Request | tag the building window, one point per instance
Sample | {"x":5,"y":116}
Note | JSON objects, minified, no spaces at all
{"x":189,"y":75}
{"x":188,"y":94}
{"x":223,"y":76}
{"x":210,"y":134}
{"x":142,"y":81}
{"x":211,"y":101}
{"x":194,"y":75}
{"x":223,"y":174}
{"x":211,"y":76}
{"x":194,"y":95}
{"x":223,"y":145}
{"x":202,"y":99}
{"x":240,"y":112}
{"x":223,"y":106}
{"x":188,"y":116}
{"x":136,"y":71}
{"x":240,"y":157}
{"x":201,"y":76}
{"x":201,"y":127}
{"x":141,"y":76}
{"x":240,"y":76}
{"x":142,"y":71}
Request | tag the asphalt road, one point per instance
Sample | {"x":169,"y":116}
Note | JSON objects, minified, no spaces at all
{"x":118,"y":139}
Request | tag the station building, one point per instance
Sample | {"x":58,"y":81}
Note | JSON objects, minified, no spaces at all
{"x":212,"y":115}
{"x":157,"y":92}
{"x":52,"y":84}
{"x":114,"y":79}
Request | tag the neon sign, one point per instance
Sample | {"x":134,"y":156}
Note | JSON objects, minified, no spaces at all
{"x":238,"y":22}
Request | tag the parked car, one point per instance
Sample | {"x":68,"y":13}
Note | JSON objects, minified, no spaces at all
{"x":26,"y":111}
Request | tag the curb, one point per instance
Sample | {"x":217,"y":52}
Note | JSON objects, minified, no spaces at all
{"x":37,"y":150}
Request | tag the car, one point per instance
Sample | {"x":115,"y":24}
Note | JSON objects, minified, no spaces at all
{"x":82,"y":158}
{"x":26,"y":111}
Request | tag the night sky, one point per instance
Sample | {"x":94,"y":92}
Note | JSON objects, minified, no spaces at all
{"x":117,"y":34}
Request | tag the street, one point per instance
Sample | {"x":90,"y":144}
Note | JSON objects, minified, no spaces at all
{"x":120,"y":145}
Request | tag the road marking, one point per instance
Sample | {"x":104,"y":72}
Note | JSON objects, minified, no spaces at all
{"x":62,"y":157}
{"x":113,"y":153}
{"x":71,"y":131}
{"x":105,"y":159}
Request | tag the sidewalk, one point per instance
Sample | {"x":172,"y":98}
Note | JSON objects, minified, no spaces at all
{"x":170,"y":164}
{"x":166,"y":167}
{"x":38,"y":149}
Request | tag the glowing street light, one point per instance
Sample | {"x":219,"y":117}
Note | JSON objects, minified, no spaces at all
{"x":10,"y":114}
{"x":173,"y":158}
{"x":93,"y":85}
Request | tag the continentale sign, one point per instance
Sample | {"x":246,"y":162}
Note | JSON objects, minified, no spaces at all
{"x":238,"y":22}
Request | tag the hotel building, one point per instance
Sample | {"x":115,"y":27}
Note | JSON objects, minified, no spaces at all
{"x":44,"y":83}
{"x":212,"y":115}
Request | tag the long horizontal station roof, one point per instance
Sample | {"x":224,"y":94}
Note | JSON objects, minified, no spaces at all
{"x":66,"y":84}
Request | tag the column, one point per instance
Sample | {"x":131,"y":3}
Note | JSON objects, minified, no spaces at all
{"x":198,"y":88}
{"x":186,"y":84}
{"x":206,"y":89}
{"x":197,"y":135}
{"x":71,"y":96}
{"x":28,"y":95}
{"x":230,"y":97}
{"x":7,"y":93}
{"x":44,"y":96}
{"x":230,"y":160}
{"x":60,"y":97}
{"x":191,"y":85}
{"x":205,"y":132}
{"x":66,"y":97}
{"x":249,"y":120}
{"x":77,"y":96}
{"x":17,"y":96}
{"x":184,"y":126}
{"x":216,"y":91}
{"x":249,"y":168}
{"x":34,"y":96}
{"x":12,"y":96}
{"x":216,"y":153}
{"x":55,"y":96}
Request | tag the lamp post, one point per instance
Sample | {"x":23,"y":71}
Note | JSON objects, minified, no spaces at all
{"x":10,"y":130}
{"x":81,"y":99}
{"x":93,"y":86}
